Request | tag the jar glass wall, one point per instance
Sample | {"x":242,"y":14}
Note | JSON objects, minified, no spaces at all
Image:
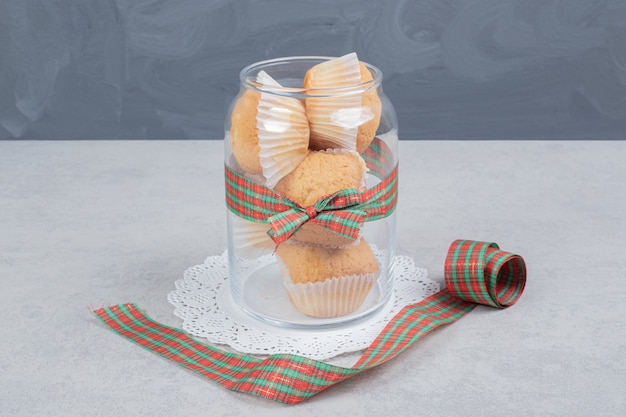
{"x":311,"y":155}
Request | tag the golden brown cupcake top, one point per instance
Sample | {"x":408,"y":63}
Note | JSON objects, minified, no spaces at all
{"x":321,"y":174}
{"x":309,"y":263}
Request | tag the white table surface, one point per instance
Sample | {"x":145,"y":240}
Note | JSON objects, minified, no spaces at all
{"x":88,"y":224}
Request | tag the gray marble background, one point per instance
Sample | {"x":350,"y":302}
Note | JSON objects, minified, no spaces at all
{"x":455,"y":69}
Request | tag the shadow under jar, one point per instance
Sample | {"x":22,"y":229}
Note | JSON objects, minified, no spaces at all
{"x":311,"y":155}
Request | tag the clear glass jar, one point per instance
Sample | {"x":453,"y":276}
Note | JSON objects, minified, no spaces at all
{"x":311,"y":154}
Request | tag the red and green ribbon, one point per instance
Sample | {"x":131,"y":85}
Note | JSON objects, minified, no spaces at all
{"x":343,"y":212}
{"x":475,"y":273}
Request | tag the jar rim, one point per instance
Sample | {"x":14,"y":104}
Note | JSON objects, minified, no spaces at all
{"x":248,"y":74}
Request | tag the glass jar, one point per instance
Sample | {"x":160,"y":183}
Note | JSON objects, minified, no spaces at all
{"x":311,"y":155}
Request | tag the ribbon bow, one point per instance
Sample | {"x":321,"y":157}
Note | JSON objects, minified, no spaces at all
{"x":342,"y":213}
{"x":339,"y":212}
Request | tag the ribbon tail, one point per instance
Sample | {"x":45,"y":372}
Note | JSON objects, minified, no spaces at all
{"x":283,"y":378}
{"x":346,"y":223}
{"x":292,"y":379}
{"x":411,"y":324}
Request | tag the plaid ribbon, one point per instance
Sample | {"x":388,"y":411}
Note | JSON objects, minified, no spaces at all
{"x":378,"y":158}
{"x":342,"y":213}
{"x":475,"y":272}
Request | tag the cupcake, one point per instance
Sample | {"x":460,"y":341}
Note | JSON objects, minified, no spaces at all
{"x":324,"y":282}
{"x":322,"y":173}
{"x":345,"y":121}
{"x":269,"y":133}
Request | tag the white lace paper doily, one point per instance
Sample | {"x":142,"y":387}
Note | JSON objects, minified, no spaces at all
{"x":202,"y":300}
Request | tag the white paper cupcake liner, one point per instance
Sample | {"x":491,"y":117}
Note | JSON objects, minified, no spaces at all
{"x":334,"y":120}
{"x":334,"y":297}
{"x":336,"y":72}
{"x":283,"y":132}
{"x":250,"y":239}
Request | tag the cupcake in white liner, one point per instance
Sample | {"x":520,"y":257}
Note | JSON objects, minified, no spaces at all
{"x":320,"y":174}
{"x":344,"y":119}
{"x":324,"y":282}
{"x":250,"y":239}
{"x":269,"y":133}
